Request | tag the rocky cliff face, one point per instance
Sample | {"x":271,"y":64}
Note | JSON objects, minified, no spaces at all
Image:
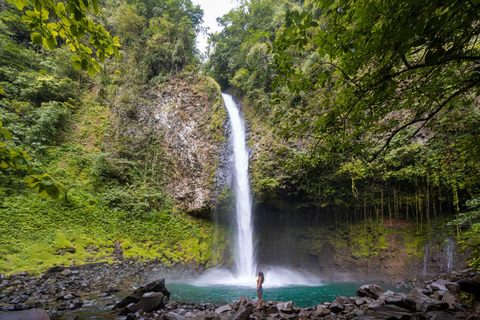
{"x":188,"y":116}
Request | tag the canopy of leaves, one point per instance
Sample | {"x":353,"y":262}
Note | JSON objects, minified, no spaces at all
{"x":381,"y":65}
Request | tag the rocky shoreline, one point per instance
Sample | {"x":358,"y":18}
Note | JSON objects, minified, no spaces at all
{"x":65,"y":293}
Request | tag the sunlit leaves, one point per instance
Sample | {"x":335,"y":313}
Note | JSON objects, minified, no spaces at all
{"x":72,"y":24}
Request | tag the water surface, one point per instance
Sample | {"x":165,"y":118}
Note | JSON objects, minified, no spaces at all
{"x":302,"y":296}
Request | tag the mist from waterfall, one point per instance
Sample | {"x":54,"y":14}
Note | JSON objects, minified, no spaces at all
{"x":245,"y":264}
{"x":244,"y":258}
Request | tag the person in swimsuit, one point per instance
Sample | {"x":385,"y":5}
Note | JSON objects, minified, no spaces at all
{"x":260,"y":280}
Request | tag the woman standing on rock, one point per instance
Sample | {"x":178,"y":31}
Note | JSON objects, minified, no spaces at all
{"x":260,"y":280}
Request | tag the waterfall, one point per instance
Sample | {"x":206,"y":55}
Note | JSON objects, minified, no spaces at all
{"x":449,"y":254}
{"x":425,"y":256}
{"x":244,"y":259}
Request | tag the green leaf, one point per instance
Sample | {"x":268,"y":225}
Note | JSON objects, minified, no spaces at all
{"x":6,"y":134}
{"x":95,"y":6}
{"x":60,"y":9}
{"x":91,"y":70}
{"x":71,"y":7}
{"x":77,"y":65}
{"x":405,"y":34}
{"x":84,"y":64}
{"x":36,"y":38}
{"x":38,"y":6}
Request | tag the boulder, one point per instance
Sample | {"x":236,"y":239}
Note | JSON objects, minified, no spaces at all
{"x":155,"y":286}
{"x":398,"y":299}
{"x":151,"y":301}
{"x":285,"y":306}
{"x":450,"y":299}
{"x":424,"y":303}
{"x":369,"y":290}
{"x":222,"y":309}
{"x":339,"y":303}
{"x":321,"y":311}
{"x":440,"y":315}
{"x":32,"y":314}
{"x":173,"y":316}
{"x":437,"y":286}
{"x":243,"y":312}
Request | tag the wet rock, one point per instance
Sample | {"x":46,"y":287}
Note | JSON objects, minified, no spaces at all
{"x":440,"y":315}
{"x":243,"y":312}
{"x":173,"y":316}
{"x":437,"y":286}
{"x":74,"y":304}
{"x":370,"y":290}
{"x":450,"y":299}
{"x":223,"y":309}
{"x":151,"y":301}
{"x":424,"y":303}
{"x":398,"y":299}
{"x":321,"y":311}
{"x":155,"y":286}
{"x":339,"y":303}
{"x":32,"y":314}
{"x":284,"y":306}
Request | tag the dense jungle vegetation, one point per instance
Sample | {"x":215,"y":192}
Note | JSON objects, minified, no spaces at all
{"x":369,"y":106}
{"x":67,"y":128}
{"x":373,"y":105}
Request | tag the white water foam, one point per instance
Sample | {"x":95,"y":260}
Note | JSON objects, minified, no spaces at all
{"x":274,"y":277}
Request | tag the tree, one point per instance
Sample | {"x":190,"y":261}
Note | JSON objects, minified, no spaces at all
{"x":383,"y":66}
{"x":15,"y":161}
{"x":69,"y":20}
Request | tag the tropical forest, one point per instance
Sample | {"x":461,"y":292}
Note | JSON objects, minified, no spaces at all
{"x":325,"y":150}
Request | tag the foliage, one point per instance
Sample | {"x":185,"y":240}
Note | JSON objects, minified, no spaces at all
{"x":470,"y":240}
{"x":385,"y":66}
{"x":71,"y":126}
{"x":69,"y":21}
{"x":15,"y":161}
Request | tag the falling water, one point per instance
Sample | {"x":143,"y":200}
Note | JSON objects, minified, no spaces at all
{"x":244,"y":259}
{"x":425,"y":256}
{"x":449,"y":254}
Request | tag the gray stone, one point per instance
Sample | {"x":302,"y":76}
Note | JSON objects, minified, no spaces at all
{"x":155,"y":286}
{"x":151,"y":301}
{"x":173,"y":316}
{"x":321,"y":311}
{"x":242,"y":313}
{"x":285,"y":306}
{"x":424,"y":303}
{"x":370,"y":290}
{"x":450,"y":299}
{"x":398,"y":299}
{"x":436,"y":286}
{"x":32,"y":314}
{"x":440,"y":315}
{"x":224,"y":308}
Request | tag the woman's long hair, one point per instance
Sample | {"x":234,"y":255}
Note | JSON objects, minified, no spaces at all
{"x":261,"y":276}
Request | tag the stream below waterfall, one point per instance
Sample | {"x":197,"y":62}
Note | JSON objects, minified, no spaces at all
{"x":302,"y":296}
